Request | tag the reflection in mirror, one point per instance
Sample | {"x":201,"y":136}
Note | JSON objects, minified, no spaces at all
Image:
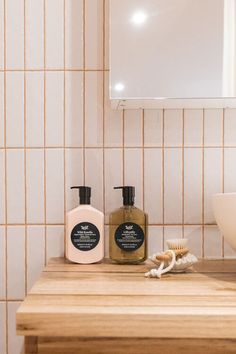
{"x":172,"y":48}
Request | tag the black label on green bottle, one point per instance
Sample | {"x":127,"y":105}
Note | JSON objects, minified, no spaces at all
{"x":85,"y":236}
{"x":129,"y":236}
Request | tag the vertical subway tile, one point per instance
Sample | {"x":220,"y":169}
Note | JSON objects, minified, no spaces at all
{"x":3,"y":349}
{"x":16,"y":262}
{"x":34,"y":28}
{"x":94,"y":34}
{"x":173,"y":186}
{"x":173,"y":127}
{"x":113,"y":123}
{"x":230,"y":127}
{"x":35,"y":253}
{"x":55,"y":241}
{"x":193,"y":127}
{"x":15,"y":343}
{"x":113,"y":177}
{"x":35,"y":186}
{"x":2,"y":263}
{"x":212,"y":242}
{"x":1,"y":34}
{"x":54,"y":186}
{"x":15,"y":109}
{"x":212,"y":180}
{"x":155,"y":239}
{"x":73,"y":175}
{"x":172,"y":232}
{"x":153,"y":203}
{"x":213,"y":127}
{"x":2,"y":123}
{"x":73,"y":109}
{"x":94,"y":109}
{"x":193,"y":186}
{"x":34,"y":109}
{"x":54,"y":108}
{"x":74,"y":34}
{"x":15,"y":187}
{"x":230,"y":170}
{"x":54,"y":23}
{"x":133,"y":173}
{"x":194,"y":236}
{"x":2,"y":188}
{"x":153,"y":119}
{"x":15,"y":34}
{"x":133,"y":121}
{"x":94,"y":176}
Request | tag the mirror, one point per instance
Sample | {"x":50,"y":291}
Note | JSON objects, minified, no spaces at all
{"x":172,"y":49}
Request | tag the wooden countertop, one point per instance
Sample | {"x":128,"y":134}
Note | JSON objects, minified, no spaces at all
{"x":107,"y":300}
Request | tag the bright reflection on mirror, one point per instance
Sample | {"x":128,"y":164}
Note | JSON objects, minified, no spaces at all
{"x":119,"y":87}
{"x":139,"y":18}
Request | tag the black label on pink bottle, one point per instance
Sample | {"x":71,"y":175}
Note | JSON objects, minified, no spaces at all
{"x":129,"y":236}
{"x":85,"y":236}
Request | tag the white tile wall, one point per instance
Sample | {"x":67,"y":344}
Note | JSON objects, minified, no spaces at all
{"x":153,"y":127}
{"x":14,"y":33}
{"x":73,"y":109}
{"x":173,"y":127}
{"x":3,"y":327}
{"x":34,"y":109}
{"x":192,"y":186}
{"x":15,"y":262}
{"x":2,"y":188}
{"x":2,"y":263}
{"x":14,"y":109}
{"x":34,"y":36}
{"x":57,"y":129}
{"x":15,"y":344}
{"x":54,"y":34}
{"x":1,"y":109}
{"x":35,"y":253}
{"x":74,"y":34}
{"x":173,"y":186}
{"x":15,"y":186}
{"x":1,"y":35}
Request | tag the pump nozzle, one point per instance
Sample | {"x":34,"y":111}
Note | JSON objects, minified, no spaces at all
{"x":128,"y":194}
{"x":84,"y":194}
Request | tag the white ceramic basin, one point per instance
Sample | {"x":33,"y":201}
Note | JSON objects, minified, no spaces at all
{"x":224,"y":207}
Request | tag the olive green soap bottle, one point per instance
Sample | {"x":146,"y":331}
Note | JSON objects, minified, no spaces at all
{"x":128,"y":231}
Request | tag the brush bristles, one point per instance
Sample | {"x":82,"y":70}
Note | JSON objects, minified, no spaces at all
{"x":177,"y":243}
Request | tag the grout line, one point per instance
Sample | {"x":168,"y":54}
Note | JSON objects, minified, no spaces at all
{"x":143,"y":160}
{"x":123,"y":146}
{"x":5,"y":176}
{"x":44,"y":137}
{"x":112,"y":147}
{"x":223,"y":172}
{"x":84,"y":84}
{"x":25,"y":157}
{"x":163,"y":177}
{"x":103,"y":108}
{"x":203,"y":185}
{"x":64,"y":123}
{"x":52,"y":70}
{"x":183,"y":170}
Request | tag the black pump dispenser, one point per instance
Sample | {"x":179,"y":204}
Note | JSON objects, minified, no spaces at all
{"x":128,"y":194}
{"x":84,"y":194}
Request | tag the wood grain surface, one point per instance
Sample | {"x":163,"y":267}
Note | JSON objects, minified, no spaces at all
{"x":112,"y":304}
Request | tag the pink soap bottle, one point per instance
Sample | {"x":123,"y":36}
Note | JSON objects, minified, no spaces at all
{"x":84,"y":231}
